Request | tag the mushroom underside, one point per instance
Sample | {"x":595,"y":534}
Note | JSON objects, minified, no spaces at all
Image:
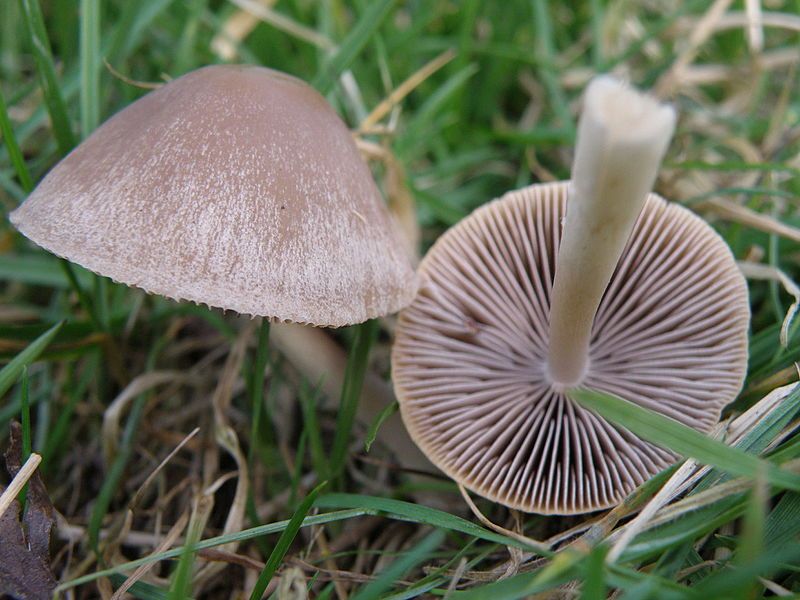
{"x":469,"y":363}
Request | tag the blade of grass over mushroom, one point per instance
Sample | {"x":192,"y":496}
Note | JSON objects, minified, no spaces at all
{"x":399,"y":567}
{"x":679,"y":438}
{"x":372,"y":18}
{"x":11,"y":372}
{"x":36,"y":34}
{"x":283,"y":543}
{"x":356,"y":369}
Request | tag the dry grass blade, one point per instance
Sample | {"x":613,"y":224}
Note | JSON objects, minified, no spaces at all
{"x":709,"y":74}
{"x":235,"y":30}
{"x":535,"y":544}
{"x":20,"y":479}
{"x":226,"y":438}
{"x":285,"y":24}
{"x":659,"y":510}
{"x":405,"y":88}
{"x":700,"y":499}
{"x":144,"y":85}
{"x":755,"y":25}
{"x":139,"y":385}
{"x":731,"y":211}
{"x":663,"y":496}
{"x":456,"y":577}
{"x":173,"y":535}
{"x":756,"y":18}
{"x":759,"y":271}
{"x":703,"y":30}
{"x":401,"y":201}
{"x":138,"y":495}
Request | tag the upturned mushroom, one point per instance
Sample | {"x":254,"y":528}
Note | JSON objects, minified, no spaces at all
{"x":636,"y":297}
{"x":237,"y":187}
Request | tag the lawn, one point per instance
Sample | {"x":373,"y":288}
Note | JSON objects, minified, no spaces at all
{"x":191,"y":452}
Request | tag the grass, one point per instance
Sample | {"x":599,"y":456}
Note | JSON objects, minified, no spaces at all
{"x":498,"y":116}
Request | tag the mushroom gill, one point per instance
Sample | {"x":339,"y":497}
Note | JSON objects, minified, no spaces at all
{"x":470,"y":358}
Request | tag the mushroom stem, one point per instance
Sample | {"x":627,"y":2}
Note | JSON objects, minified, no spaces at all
{"x":622,"y":137}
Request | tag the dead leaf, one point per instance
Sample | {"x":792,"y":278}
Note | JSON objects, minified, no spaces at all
{"x":25,"y":546}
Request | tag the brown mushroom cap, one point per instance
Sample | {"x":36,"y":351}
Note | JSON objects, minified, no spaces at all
{"x":469,"y":362}
{"x":236,"y":187}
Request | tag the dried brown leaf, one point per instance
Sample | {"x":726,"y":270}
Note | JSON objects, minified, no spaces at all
{"x":25,"y":546}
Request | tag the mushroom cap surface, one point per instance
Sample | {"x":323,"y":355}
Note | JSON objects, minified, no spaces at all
{"x":469,"y":361}
{"x":238,"y":187}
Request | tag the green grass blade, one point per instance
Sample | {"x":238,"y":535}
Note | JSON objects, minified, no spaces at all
{"x":257,"y":432}
{"x":14,"y":152}
{"x":416,"y":513}
{"x":11,"y":372}
{"x":782,"y":525}
{"x":25,"y":416}
{"x":90,"y":66}
{"x":39,"y":269}
{"x":25,"y":419}
{"x":359,"y":35}
{"x":559,"y":571}
{"x":546,"y":53}
{"x":594,"y":587}
{"x":679,"y":438}
{"x":756,"y":440}
{"x":726,"y":582}
{"x":374,"y":589}
{"x":751,"y":538}
{"x":351,"y":391}
{"x":53,"y":98}
{"x":308,"y":404}
{"x":141,"y":589}
{"x":239,"y":536}
{"x":286,"y":539}
{"x":387,"y":412}
{"x":182,"y":576}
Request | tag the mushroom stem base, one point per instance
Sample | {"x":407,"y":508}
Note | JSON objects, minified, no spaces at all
{"x":561,"y":382}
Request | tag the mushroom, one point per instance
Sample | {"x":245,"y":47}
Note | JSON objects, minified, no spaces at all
{"x":237,"y":187}
{"x":638,"y":297}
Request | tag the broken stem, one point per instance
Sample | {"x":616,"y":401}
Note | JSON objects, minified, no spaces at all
{"x":622,"y":137}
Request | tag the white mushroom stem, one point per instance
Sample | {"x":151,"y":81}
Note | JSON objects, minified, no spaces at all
{"x":321,"y":359}
{"x":622,"y":137}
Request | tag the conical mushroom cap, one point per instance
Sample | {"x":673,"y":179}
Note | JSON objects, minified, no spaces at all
{"x":469,"y":362}
{"x":236,"y":187}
